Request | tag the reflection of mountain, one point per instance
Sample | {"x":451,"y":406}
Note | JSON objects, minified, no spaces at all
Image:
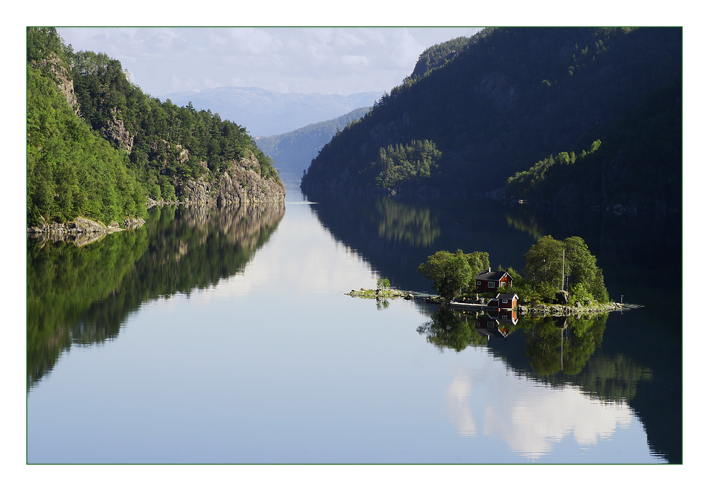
{"x":410,"y":224}
{"x":82,"y":296}
{"x":397,"y":234}
{"x":635,"y":251}
{"x":566,"y":351}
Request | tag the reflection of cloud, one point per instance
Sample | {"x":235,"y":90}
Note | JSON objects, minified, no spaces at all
{"x":317,"y":268}
{"x":459,"y":411}
{"x":540,"y":417}
{"x":531,"y":419}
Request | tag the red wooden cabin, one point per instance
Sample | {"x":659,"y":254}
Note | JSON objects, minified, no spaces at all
{"x":490,"y":281}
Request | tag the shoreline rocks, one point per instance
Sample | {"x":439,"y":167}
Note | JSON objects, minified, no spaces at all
{"x":380,"y":294}
{"x":81,"y":231}
{"x":539,"y":310}
{"x":566,"y":310}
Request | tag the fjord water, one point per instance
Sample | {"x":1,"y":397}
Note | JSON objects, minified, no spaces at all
{"x":225,"y":336}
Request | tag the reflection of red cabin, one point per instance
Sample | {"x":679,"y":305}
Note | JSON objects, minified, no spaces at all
{"x":504,"y":316}
{"x":490,"y":328}
{"x":490,"y":281}
{"x":505,"y":301}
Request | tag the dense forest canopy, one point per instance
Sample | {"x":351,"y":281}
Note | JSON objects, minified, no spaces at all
{"x":98,"y":146}
{"x":550,"y":266}
{"x":496,"y":103}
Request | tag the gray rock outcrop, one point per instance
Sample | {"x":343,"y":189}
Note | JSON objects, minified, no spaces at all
{"x":240,"y":184}
{"x":81,"y":231}
{"x":63,"y":78}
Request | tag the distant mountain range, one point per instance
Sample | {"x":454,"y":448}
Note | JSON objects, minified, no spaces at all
{"x":293,"y":151}
{"x":266,"y":113}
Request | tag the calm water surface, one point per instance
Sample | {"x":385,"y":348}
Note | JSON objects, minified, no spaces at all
{"x":225,"y":336}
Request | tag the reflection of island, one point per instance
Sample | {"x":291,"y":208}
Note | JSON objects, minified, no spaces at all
{"x":557,"y":350}
{"x":561,"y":353}
{"x":83,"y":295}
{"x":496,"y":324}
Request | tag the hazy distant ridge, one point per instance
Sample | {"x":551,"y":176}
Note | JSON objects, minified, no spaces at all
{"x":267,"y":113}
{"x":293,"y":151}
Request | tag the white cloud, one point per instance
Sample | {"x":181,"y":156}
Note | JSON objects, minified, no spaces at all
{"x":325,"y":60}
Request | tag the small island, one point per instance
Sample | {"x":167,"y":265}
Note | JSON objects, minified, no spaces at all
{"x":560,"y":278}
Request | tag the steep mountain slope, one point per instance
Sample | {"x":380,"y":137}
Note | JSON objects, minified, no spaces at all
{"x":267,"y":113}
{"x":97,"y":146}
{"x":637,"y":164}
{"x":293,"y":151}
{"x":507,"y":99}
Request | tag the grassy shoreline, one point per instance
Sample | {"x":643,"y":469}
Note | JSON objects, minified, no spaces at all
{"x":535,"y":310}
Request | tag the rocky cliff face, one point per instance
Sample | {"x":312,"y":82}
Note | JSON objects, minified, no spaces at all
{"x":240,"y":184}
{"x":63,"y":78}
{"x":116,"y":132}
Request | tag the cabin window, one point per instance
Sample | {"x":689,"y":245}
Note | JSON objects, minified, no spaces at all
{"x":479,"y":282}
{"x":491,"y":284}
{"x":490,"y":323}
{"x":504,"y":300}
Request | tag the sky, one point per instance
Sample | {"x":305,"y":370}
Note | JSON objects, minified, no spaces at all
{"x":321,"y":59}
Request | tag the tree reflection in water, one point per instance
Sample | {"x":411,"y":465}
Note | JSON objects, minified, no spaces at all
{"x":82,"y":295}
{"x":558,"y":350}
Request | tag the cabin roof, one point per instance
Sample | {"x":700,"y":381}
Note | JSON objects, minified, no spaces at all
{"x":490,"y":275}
{"x":506,"y":295}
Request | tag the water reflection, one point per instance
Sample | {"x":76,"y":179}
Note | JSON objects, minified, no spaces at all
{"x":640,"y":360}
{"x":82,"y":296}
{"x":530,"y":419}
{"x":556,"y":350}
{"x":576,"y":395}
{"x":396,"y":234}
{"x":401,"y":222}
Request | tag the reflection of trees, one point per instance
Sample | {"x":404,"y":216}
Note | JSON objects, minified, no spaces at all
{"x":522,"y":219}
{"x":558,"y":350}
{"x":396,"y":234}
{"x":454,"y":330}
{"x":83,"y":295}
{"x":63,"y":281}
{"x":610,"y":379}
{"x":614,"y":379}
{"x":406,"y":222}
{"x":554,"y":344}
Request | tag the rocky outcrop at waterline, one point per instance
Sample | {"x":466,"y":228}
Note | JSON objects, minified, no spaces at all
{"x":81,"y":231}
{"x":240,"y":184}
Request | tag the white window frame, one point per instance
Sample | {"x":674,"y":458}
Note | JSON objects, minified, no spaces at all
{"x":491,"y":284}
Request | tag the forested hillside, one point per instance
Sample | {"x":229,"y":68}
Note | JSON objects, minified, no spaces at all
{"x":637,"y":166}
{"x":503,"y":100}
{"x":97,"y":146}
{"x":296,"y":149}
{"x":268,"y":113}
